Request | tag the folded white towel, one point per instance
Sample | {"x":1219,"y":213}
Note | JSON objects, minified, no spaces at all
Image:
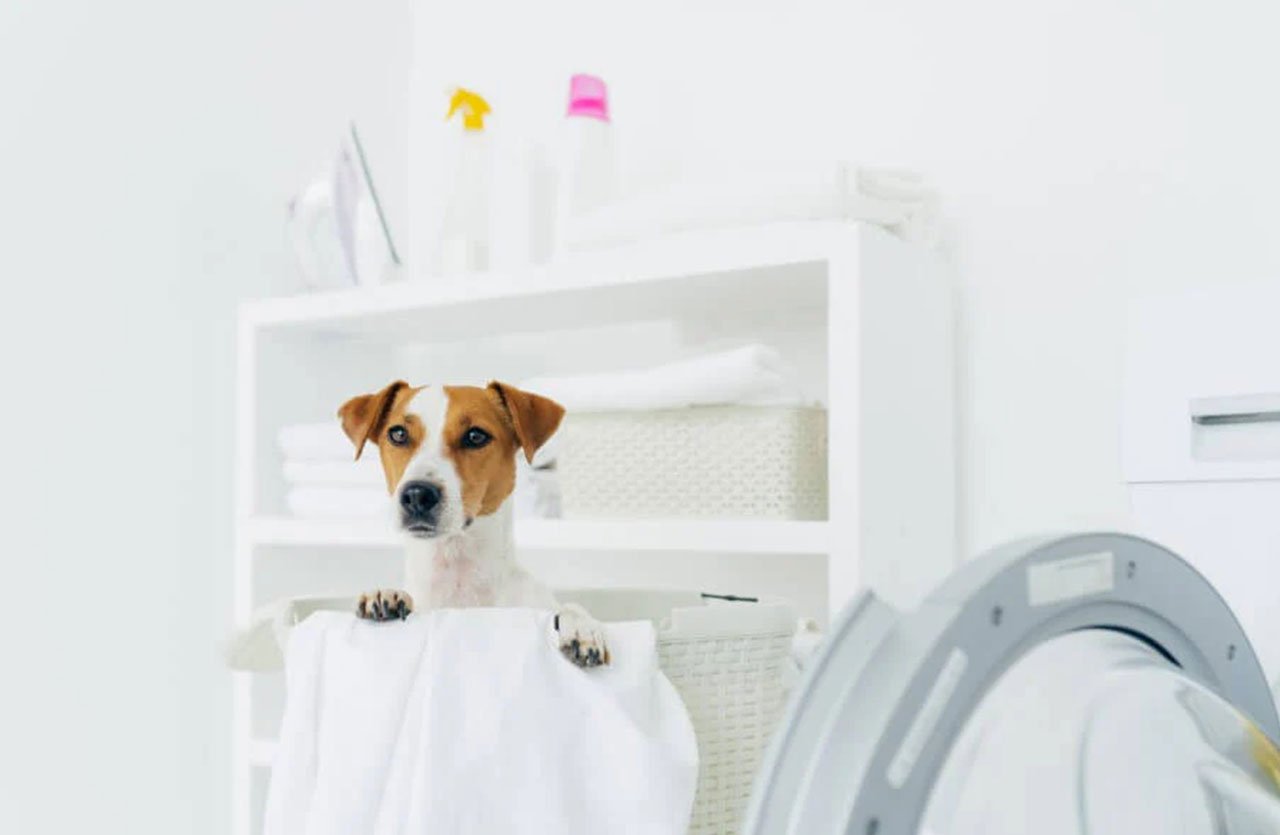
{"x":470,"y":721}
{"x":753,"y":374}
{"x":338,"y":502}
{"x":915,"y":201}
{"x":367,"y":472}
{"x":315,"y":442}
{"x":744,"y":195}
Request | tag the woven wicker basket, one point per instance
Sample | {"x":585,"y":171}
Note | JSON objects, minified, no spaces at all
{"x":727,"y":661}
{"x":760,"y":462}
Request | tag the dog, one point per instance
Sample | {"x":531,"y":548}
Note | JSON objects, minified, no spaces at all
{"x":449,"y":457}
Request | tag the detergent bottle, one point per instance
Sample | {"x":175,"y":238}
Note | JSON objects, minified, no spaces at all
{"x":587,"y":175}
{"x":463,"y":242}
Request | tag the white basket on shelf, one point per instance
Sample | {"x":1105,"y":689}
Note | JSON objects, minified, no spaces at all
{"x":759,"y":462}
{"x":728,"y":661}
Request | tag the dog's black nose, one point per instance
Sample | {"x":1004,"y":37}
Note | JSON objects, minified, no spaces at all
{"x":419,"y":498}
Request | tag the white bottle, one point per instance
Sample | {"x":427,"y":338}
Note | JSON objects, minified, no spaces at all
{"x":587,"y":168}
{"x":462,"y":244}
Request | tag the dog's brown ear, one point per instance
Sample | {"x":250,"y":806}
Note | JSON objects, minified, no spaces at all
{"x":363,"y":417}
{"x":535,"y":418}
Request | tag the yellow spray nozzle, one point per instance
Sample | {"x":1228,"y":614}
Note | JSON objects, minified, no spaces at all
{"x":473,"y":107}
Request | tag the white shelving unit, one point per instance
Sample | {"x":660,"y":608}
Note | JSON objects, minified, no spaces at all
{"x":867,"y":318}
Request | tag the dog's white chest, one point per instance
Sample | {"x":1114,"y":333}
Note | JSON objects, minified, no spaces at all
{"x":451,"y":577}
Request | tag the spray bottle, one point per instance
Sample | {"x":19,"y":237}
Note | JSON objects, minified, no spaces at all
{"x":463,"y":243}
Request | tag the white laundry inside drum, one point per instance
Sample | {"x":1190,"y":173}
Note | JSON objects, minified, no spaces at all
{"x":1129,"y":703}
{"x":1096,"y":731}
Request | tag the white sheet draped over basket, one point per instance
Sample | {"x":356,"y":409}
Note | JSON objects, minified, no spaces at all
{"x":470,"y":721}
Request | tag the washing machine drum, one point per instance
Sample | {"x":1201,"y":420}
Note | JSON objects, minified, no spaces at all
{"x":1087,"y":684}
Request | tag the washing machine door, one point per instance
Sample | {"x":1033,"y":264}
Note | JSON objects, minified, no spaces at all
{"x":1086,"y":684}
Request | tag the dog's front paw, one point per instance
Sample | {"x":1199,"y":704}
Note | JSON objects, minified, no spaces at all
{"x":581,"y":637}
{"x":384,"y":604}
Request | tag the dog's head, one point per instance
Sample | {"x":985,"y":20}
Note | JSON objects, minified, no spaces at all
{"x":448,"y":452}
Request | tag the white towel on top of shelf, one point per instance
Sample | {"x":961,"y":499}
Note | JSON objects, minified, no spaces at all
{"x":315,"y":442}
{"x":469,"y":722}
{"x":723,"y":196}
{"x":913,"y":212}
{"x":339,"y":502}
{"x":367,"y":472}
{"x":752,"y":374}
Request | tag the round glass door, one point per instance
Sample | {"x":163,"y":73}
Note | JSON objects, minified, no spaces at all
{"x":1094,"y":732}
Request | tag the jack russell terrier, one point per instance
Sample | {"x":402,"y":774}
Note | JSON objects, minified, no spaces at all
{"x":449,"y":456}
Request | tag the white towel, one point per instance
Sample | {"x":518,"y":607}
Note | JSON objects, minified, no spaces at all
{"x":913,"y":200}
{"x":367,"y":472}
{"x":470,"y":721}
{"x":721,"y":196}
{"x":339,"y":502}
{"x":750,"y":374}
{"x":316,"y":442}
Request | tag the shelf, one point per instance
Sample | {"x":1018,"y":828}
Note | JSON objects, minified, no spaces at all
{"x":774,"y":271}
{"x":283,"y":530}
{"x":712,"y":536}
{"x":748,"y":536}
{"x":865,"y":316}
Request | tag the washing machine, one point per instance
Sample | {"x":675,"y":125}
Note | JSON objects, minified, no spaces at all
{"x":1094,"y":683}
{"x":1201,"y":442}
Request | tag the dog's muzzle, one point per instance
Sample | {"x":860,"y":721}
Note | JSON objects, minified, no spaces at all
{"x":420,"y":507}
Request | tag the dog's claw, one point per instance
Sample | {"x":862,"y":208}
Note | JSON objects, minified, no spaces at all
{"x":384,"y":605}
{"x":582,"y":639}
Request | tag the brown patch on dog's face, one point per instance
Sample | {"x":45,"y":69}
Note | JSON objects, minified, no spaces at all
{"x":384,"y":419}
{"x":511,"y":420}
{"x":396,"y":452}
{"x":486,"y":471}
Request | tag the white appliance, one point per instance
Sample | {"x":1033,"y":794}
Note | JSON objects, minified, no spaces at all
{"x":337,"y":228}
{"x":1092,"y":683}
{"x":1201,"y":443}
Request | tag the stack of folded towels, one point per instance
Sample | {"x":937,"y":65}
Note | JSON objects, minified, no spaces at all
{"x":323,"y":481}
{"x":751,"y":375}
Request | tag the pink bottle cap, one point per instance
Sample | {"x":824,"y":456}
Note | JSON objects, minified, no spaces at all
{"x":588,"y":97}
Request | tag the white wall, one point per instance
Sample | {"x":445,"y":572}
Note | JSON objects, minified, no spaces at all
{"x":1086,"y":150}
{"x":147,"y":154}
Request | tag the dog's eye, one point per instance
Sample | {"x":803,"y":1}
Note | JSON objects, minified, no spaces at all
{"x":475,"y":438}
{"x":398,"y":435}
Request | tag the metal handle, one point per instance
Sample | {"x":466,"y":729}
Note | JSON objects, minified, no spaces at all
{"x":1230,"y":411}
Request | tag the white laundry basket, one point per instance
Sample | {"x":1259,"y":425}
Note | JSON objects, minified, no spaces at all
{"x":759,"y":462}
{"x":728,"y":661}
